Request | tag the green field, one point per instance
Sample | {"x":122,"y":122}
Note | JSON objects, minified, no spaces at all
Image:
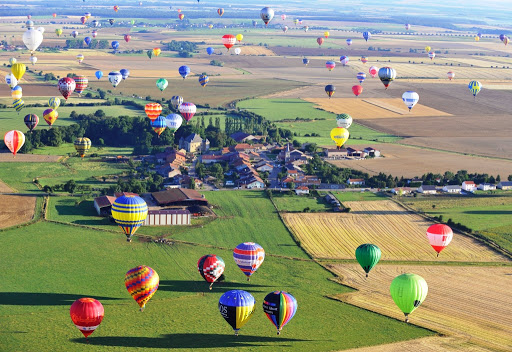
{"x":294,"y":203}
{"x":290,"y":109}
{"x":53,"y":264}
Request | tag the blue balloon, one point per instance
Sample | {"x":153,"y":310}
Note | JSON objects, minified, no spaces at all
{"x":99,"y":74}
{"x":87,"y":40}
{"x":125,"y":73}
{"x":184,"y":71}
{"x":210,"y":50}
{"x":367,"y":35}
{"x":115,"y":44}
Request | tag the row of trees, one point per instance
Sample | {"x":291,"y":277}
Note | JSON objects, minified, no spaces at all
{"x":80,"y":44}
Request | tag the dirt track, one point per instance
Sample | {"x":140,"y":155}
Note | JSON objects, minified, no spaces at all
{"x":29,"y":158}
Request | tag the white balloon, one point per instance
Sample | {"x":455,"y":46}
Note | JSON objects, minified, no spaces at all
{"x":32,"y":39}
{"x":11,"y":80}
{"x":410,"y":99}
{"x":33,"y":60}
{"x":238,"y":51}
{"x":115,"y":77}
{"x":173,"y":121}
{"x":344,"y":121}
{"x":40,"y":29}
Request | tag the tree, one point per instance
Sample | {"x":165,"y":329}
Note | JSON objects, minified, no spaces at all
{"x":510,"y":177}
{"x":99,"y":113}
{"x":498,"y":179}
{"x":192,"y":184}
{"x":70,"y":186}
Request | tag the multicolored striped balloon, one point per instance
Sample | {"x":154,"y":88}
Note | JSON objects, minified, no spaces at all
{"x":203,"y":80}
{"x":31,"y":120}
{"x":81,"y":84}
{"x":280,"y":307}
{"x":50,"y":116}
{"x":129,"y":212}
{"x":153,"y":110}
{"x":14,"y":140}
{"x":330,"y":65}
{"x":187,"y":110}
{"x":18,"y":104}
{"x":210,"y":267}
{"x":361,"y":76}
{"x":364,"y":59}
{"x":159,"y":125}
{"x":248,"y":256}
{"x":142,"y":283}
{"x":237,"y":307}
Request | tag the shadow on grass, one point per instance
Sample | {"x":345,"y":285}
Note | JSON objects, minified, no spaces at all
{"x":189,"y":340}
{"x":43,"y":299}
{"x":202,"y":286}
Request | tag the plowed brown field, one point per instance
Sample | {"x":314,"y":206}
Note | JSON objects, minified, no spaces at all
{"x":16,"y":209}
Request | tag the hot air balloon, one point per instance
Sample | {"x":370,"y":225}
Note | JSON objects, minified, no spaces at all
{"x":181,"y":16}
{"x":210,"y":26}
{"x":54,"y":15}
{"x":339,"y":136}
{"x":115,"y":45}
{"x":320,"y":41}
{"x":176,"y":101}
{"x":115,"y":77}
{"x":210,"y":50}
{"x":203,"y":80}
{"x":300,"y":21}
{"x":50,"y":116}
{"x":142,"y":283}
{"x":285,"y":29}
{"x":132,"y":22}
{"x":283,"y":16}
{"x":344,"y":60}
{"x":161,"y":84}
{"x":94,"y":34}
{"x":279,"y":307}
{"x":305,"y":61}
{"x":220,"y":12}
{"x":477,"y":38}
{"x":11,"y":80}
{"x":344,"y":120}
{"x":254,"y":23}
{"x":80,"y":58}
{"x":451,"y":75}
{"x":86,"y":314}
{"x":330,"y":65}
{"x":179,"y":10}
{"x":116,"y":8}
{"x":58,"y":31}
{"x":427,"y":49}
{"x":407,"y":26}
{"x":124,"y":73}
{"x":129,"y":212}
{"x":184,"y":71}
{"x":87,"y":15}
{"x":408,"y":292}
{"x":153,"y":110}
{"x":32,"y":38}
{"x":228,"y":40}
{"x":81,"y":84}
{"x":98,"y":74}
{"x":29,"y":16}
{"x":236,"y":306}
{"x":149,"y":53}
{"x":83,"y":19}
{"x":479,"y":35}
{"x":174,"y":122}
{"x":16,"y":93}
{"x":349,"y":42}
{"x":364,"y":59}
{"x":111,"y":21}
{"x":357,"y":90}
{"x":475,"y":87}
{"x":18,"y":70}
{"x":87,"y":40}
{"x":326,"y":34}
{"x":387,"y":75}
{"x":14,"y":140}
{"x":210,"y":267}
{"x":237,"y":51}
{"x":29,"y":24}
{"x":306,"y":28}
{"x":368,"y":255}
{"x":329,"y":90}
{"x":410,"y":99}
{"x":82,"y":145}
{"x":374,"y":70}
{"x":431,"y":55}
{"x":54,"y":103}
{"x":367,"y":35}
{"x":157,"y":51}
{"x":31,"y":121}
{"x":266,"y":15}
{"x":12,"y":61}
{"x":439,"y":236}
{"x":18,"y":104}
{"x":361,"y":76}
{"x":159,"y":125}
{"x":67,"y":86}
{"x":127,"y":38}
{"x":95,"y":23}
{"x":506,"y":41}
{"x":502,"y":36}
{"x":248,"y":256}
{"x":187,"y":110}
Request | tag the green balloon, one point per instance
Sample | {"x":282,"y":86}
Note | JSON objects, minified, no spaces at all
{"x":368,"y":255}
{"x":408,"y":292}
{"x":149,"y":53}
{"x":162,"y":84}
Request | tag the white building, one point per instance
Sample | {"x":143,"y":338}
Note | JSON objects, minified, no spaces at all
{"x":167,"y":217}
{"x":486,"y":187}
{"x":452,"y":189}
{"x":468,"y":186}
{"x":355,"y":181}
{"x":255,"y":183}
{"x":427,"y":189}
{"x":402,"y":190}
{"x":301,"y":190}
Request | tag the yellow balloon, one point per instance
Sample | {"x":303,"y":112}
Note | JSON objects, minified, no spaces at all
{"x":477,"y":38}
{"x":239,"y":37}
{"x":427,"y":49}
{"x":339,"y":135}
{"x":326,"y":34}
{"x":156,"y":51}
{"x":18,"y":70}
{"x":58,"y":31}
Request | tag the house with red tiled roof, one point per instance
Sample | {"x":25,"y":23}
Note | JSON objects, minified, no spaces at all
{"x":301,"y":190}
{"x":468,"y":186}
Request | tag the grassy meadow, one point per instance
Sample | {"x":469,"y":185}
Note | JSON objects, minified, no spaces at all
{"x":289,"y":202}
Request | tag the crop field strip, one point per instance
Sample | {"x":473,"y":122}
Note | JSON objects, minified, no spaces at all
{"x":399,"y":233}
{"x":15,"y":209}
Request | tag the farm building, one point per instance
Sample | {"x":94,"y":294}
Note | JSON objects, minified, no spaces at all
{"x":452,"y":189}
{"x":335,"y":153}
{"x":402,"y":190}
{"x":505,"y":185}
{"x":468,"y":186}
{"x":486,"y":187}
{"x":167,"y":217}
{"x":427,"y":189}
{"x":103,"y":205}
{"x":372,"y":152}
{"x":193,"y":143}
{"x":179,"y":196}
{"x":356,"y":181}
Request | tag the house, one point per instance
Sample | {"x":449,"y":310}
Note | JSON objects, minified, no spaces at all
{"x":265,"y":168}
{"x":210,"y":159}
{"x":335,"y":153}
{"x":301,"y":190}
{"x":372,"y":152}
{"x":486,"y":187}
{"x":356,"y":181}
{"x":242,"y":147}
{"x":505,"y":185}
{"x":241,"y":136}
{"x":179,"y":196}
{"x":103,"y":205}
{"x":194,"y":143}
{"x":165,"y":217}
{"x":468,"y":186}
{"x":452,"y":189}
{"x":168,"y":171}
{"x":355,"y":153}
{"x":252,"y":182}
{"x":427,"y":189}
{"x":229,"y":183}
{"x":176,"y":157}
{"x":402,"y":190}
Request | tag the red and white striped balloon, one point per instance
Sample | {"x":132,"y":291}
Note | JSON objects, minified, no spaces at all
{"x":14,"y":140}
{"x":439,"y":236}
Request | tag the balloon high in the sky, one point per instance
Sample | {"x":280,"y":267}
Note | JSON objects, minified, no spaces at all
{"x":220,"y":12}
{"x":127,"y":38}
{"x":81,"y":83}
{"x":330,"y":65}
{"x":187,"y":110}
{"x":368,"y":255}
{"x":361,"y":76}
{"x":116,"y":8}
{"x":11,"y":80}
{"x":210,"y":267}
{"x":329,"y":90}
{"x":339,"y":136}
{"x":124,"y":73}
{"x":431,"y":55}
{"x":33,"y":60}
{"x":326,"y":34}
{"x":87,"y":40}
{"x":357,"y":90}
{"x":344,"y":60}
{"x":210,"y":50}
{"x":174,"y":122}
{"x":410,"y":99}
{"x":181,"y":16}
{"x":176,"y":101}
{"x":367,"y":35}
{"x":184,"y":71}
{"x":82,"y":145}
{"x":86,"y":314}
{"x":142,"y":283}
{"x":111,"y":21}
{"x":58,"y":31}
{"x":344,"y":120}
{"x":31,"y":121}
{"x":16,"y":93}
{"x":474,"y":87}
{"x":320,"y":41}
{"x":83,"y":19}
{"x":203,"y":80}
{"x":248,"y":256}
{"x":32,"y":38}
{"x":153,"y":110}
{"x":279,"y":307}
{"x":115,"y":77}
{"x":450,"y":75}
{"x":80,"y":58}
{"x":387,"y":75}
{"x":349,"y":42}
{"x":115,"y":45}
{"x":94,"y":34}
{"x":157,"y":51}
{"x":408,"y":292}
{"x":228,"y":40}
{"x":98,"y":74}
{"x":428,"y":48}
{"x":129,"y":212}
{"x":236,"y":307}
{"x":159,"y":125}
{"x":439,"y":236}
{"x":305,"y":61}
{"x":373,"y":70}
{"x":266,"y":15}
{"x":14,"y":140}
{"x":237,"y":51}
{"x":50,"y":116}
{"x":67,"y":86}
{"x":18,"y":70}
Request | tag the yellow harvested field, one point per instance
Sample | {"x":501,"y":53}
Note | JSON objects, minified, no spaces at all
{"x":373,"y":108}
{"x":16,"y":209}
{"x":400,"y":234}
{"x":467,"y":302}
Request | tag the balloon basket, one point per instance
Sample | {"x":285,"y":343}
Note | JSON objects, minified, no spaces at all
{"x":141,"y":309}
{"x":366,"y":274}
{"x":236,"y":332}
{"x":278,"y":332}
